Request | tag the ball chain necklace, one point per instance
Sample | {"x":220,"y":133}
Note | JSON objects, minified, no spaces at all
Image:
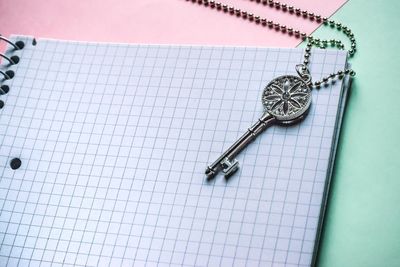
{"x":286,"y":99}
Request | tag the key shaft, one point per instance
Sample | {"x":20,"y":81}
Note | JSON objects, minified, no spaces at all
{"x":225,"y":160}
{"x":256,"y":129}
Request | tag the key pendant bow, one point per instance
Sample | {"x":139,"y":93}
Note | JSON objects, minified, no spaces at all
{"x":286,"y":100}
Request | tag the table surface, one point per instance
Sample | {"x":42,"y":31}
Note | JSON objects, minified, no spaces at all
{"x":361,"y":225}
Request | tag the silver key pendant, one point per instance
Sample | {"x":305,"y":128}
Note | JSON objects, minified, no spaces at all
{"x":286,"y":100}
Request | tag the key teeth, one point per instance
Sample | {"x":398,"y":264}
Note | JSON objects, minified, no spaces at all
{"x":230,"y":167}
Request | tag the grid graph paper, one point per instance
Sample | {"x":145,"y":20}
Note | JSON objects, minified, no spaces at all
{"x":114,"y":140}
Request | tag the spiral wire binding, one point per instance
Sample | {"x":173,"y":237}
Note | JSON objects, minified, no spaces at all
{"x":5,"y":74}
{"x":11,"y":60}
{"x":9,"y":74}
{"x":17,"y":46}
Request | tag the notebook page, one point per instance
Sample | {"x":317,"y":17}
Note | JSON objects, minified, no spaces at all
{"x":114,"y":140}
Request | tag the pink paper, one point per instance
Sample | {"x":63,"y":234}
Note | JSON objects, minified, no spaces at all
{"x":154,"y":21}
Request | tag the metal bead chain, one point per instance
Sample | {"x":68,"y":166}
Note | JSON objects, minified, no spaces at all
{"x":311,"y":41}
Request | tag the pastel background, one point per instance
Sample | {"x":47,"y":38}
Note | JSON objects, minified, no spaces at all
{"x":151,"y":21}
{"x":362,"y":222}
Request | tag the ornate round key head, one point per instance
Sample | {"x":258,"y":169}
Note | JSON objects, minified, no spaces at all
{"x":287,"y":98}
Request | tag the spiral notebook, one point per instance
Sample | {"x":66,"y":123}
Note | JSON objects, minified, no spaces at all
{"x":104,"y":147}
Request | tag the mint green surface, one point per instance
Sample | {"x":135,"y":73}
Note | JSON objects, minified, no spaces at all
{"x":362,"y":223}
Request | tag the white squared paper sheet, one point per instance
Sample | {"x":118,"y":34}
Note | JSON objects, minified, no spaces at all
{"x":114,"y":140}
